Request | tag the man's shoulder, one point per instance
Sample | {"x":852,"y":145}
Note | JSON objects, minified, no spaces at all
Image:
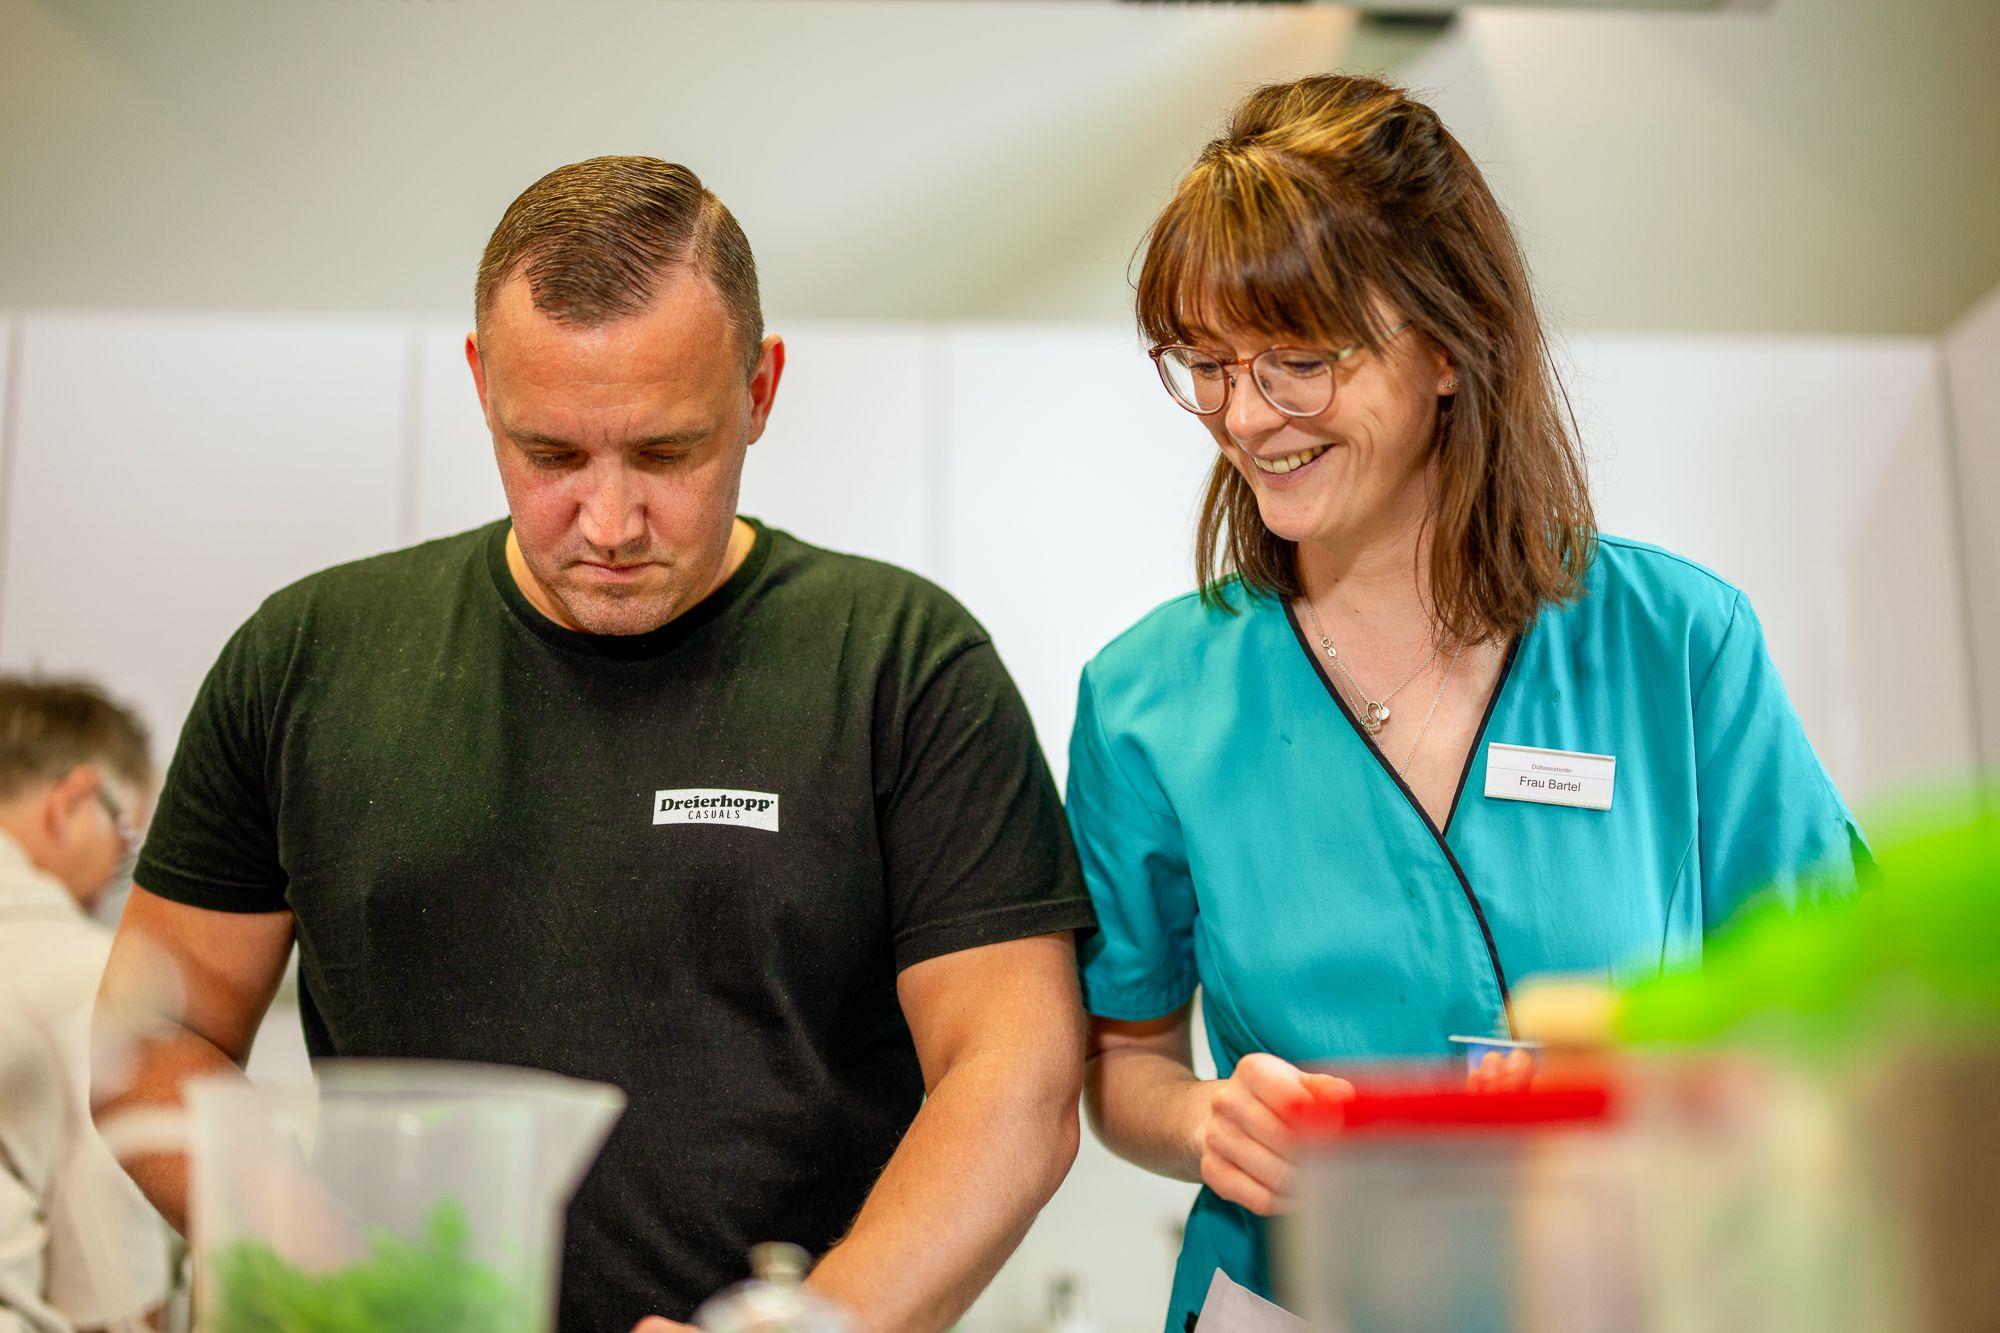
{"x":382,"y":584}
{"x":868,"y":593}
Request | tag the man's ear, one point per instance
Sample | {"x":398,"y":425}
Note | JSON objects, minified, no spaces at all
{"x":478,"y":367}
{"x":764,"y":383}
{"x":69,"y":793}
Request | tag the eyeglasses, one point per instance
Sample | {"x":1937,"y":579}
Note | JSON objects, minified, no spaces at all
{"x":128,"y":834}
{"x":1297,"y":381}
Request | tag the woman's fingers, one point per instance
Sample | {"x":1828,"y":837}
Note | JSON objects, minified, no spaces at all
{"x":1256,"y":1097}
{"x":1275,"y":1081}
{"x":1230,"y":1146}
{"x":1513,"y":1072}
{"x":1246,"y":1148}
{"x":1235,"y":1185}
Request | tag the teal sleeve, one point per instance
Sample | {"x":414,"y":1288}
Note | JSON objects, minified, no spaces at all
{"x":1140,"y":962}
{"x":1771,"y":821}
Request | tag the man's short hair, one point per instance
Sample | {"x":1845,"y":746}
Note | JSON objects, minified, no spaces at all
{"x":48,"y":727}
{"x":594,"y":238}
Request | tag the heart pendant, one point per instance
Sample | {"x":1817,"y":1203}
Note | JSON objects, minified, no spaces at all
{"x":1374,"y":718}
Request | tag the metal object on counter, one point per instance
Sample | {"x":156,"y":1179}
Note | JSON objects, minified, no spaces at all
{"x":774,"y":1300}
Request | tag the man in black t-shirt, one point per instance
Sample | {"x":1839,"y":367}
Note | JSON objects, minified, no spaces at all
{"x":634,"y":789}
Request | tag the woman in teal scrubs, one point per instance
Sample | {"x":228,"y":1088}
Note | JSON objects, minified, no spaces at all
{"x":1425,"y":732}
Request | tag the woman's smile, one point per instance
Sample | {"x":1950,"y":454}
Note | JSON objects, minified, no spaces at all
{"x":1288,"y":466}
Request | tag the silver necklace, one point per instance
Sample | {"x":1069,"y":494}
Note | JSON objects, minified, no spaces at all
{"x":1374,"y":713}
{"x":1449,"y":667}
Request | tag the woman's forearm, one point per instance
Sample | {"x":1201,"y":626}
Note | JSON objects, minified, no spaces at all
{"x":1148,"y":1108}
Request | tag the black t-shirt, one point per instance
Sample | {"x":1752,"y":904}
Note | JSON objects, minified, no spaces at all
{"x":689,"y":863}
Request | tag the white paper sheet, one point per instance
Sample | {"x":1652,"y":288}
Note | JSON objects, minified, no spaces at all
{"x":1233,"y":1308}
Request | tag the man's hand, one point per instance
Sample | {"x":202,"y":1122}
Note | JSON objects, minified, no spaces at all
{"x":1244,"y":1146}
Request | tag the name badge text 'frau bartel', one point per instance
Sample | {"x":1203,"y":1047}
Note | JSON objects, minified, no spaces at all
{"x":1550,"y":777}
{"x":705,"y":805}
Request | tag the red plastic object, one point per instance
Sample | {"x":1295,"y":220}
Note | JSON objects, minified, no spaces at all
{"x":1431,"y":1110}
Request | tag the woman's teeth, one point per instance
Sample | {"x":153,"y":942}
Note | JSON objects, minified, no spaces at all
{"x":1291,"y":462}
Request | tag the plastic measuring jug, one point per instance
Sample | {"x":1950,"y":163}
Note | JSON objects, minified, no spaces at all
{"x":393,"y":1195}
{"x":1424,"y":1208}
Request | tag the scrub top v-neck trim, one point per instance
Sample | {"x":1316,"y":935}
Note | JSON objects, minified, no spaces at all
{"x":1441,"y":836}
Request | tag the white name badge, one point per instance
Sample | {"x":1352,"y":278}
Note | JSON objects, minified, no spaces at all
{"x":1550,"y":777}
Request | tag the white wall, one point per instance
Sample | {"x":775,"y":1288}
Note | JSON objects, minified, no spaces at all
{"x":169,"y":470}
{"x":1972,"y":374}
{"x":1814,"y":473}
{"x":1800,"y":165}
{"x":10,"y":374}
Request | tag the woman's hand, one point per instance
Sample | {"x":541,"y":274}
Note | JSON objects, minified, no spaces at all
{"x":1245,"y":1149}
{"x":1513,"y":1072}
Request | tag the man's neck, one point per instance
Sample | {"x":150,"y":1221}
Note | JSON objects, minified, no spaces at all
{"x":742,"y":539}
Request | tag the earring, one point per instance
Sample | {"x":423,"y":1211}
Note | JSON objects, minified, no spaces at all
{"x":1450,"y":385}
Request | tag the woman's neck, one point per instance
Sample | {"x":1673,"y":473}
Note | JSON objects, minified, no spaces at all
{"x":1375,"y":582}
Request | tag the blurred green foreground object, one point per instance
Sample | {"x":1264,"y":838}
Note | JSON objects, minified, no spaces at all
{"x":428,"y":1285}
{"x":1915,"y":954}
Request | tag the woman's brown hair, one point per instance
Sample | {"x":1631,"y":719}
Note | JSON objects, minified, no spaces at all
{"x":1329,"y":199}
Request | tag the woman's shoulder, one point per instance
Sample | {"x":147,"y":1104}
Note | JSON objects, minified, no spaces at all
{"x":1627,"y":576}
{"x":1178,"y":641}
{"x":1654,"y":603}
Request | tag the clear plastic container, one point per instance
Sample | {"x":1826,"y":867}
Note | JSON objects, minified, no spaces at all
{"x":1753,"y":1215}
{"x":1423,"y":1209}
{"x":1696,"y":1193}
{"x":394,"y":1195}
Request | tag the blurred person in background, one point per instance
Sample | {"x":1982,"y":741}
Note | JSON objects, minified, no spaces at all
{"x":80,"y":1247}
{"x":1298,"y":789}
{"x":629,"y":787}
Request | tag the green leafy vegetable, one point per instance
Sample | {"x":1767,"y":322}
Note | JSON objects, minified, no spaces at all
{"x":424,"y":1286}
{"x":1916,"y":954}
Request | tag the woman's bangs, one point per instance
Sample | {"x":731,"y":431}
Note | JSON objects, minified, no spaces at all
{"x":1241,"y":264}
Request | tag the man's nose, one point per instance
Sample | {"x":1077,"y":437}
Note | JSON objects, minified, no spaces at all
{"x":613,"y":514}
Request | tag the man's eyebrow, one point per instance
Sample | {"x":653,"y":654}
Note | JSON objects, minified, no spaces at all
{"x":672,"y":438}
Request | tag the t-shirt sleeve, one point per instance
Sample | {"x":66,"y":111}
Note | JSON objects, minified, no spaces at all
{"x":1771,"y":821}
{"x":1140,"y":962}
{"x":213,"y":842}
{"x":974,"y":845}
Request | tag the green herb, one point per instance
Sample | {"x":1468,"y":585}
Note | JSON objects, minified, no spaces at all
{"x":424,"y":1286}
{"x":1917,"y":953}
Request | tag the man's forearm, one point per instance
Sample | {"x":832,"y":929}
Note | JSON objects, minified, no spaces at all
{"x":159,"y":1066}
{"x":982,"y":1157}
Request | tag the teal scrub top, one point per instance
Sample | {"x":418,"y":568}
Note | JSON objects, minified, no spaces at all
{"x":1240,"y":834}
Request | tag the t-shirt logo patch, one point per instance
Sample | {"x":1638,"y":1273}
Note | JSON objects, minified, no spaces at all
{"x":713,"y":805}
